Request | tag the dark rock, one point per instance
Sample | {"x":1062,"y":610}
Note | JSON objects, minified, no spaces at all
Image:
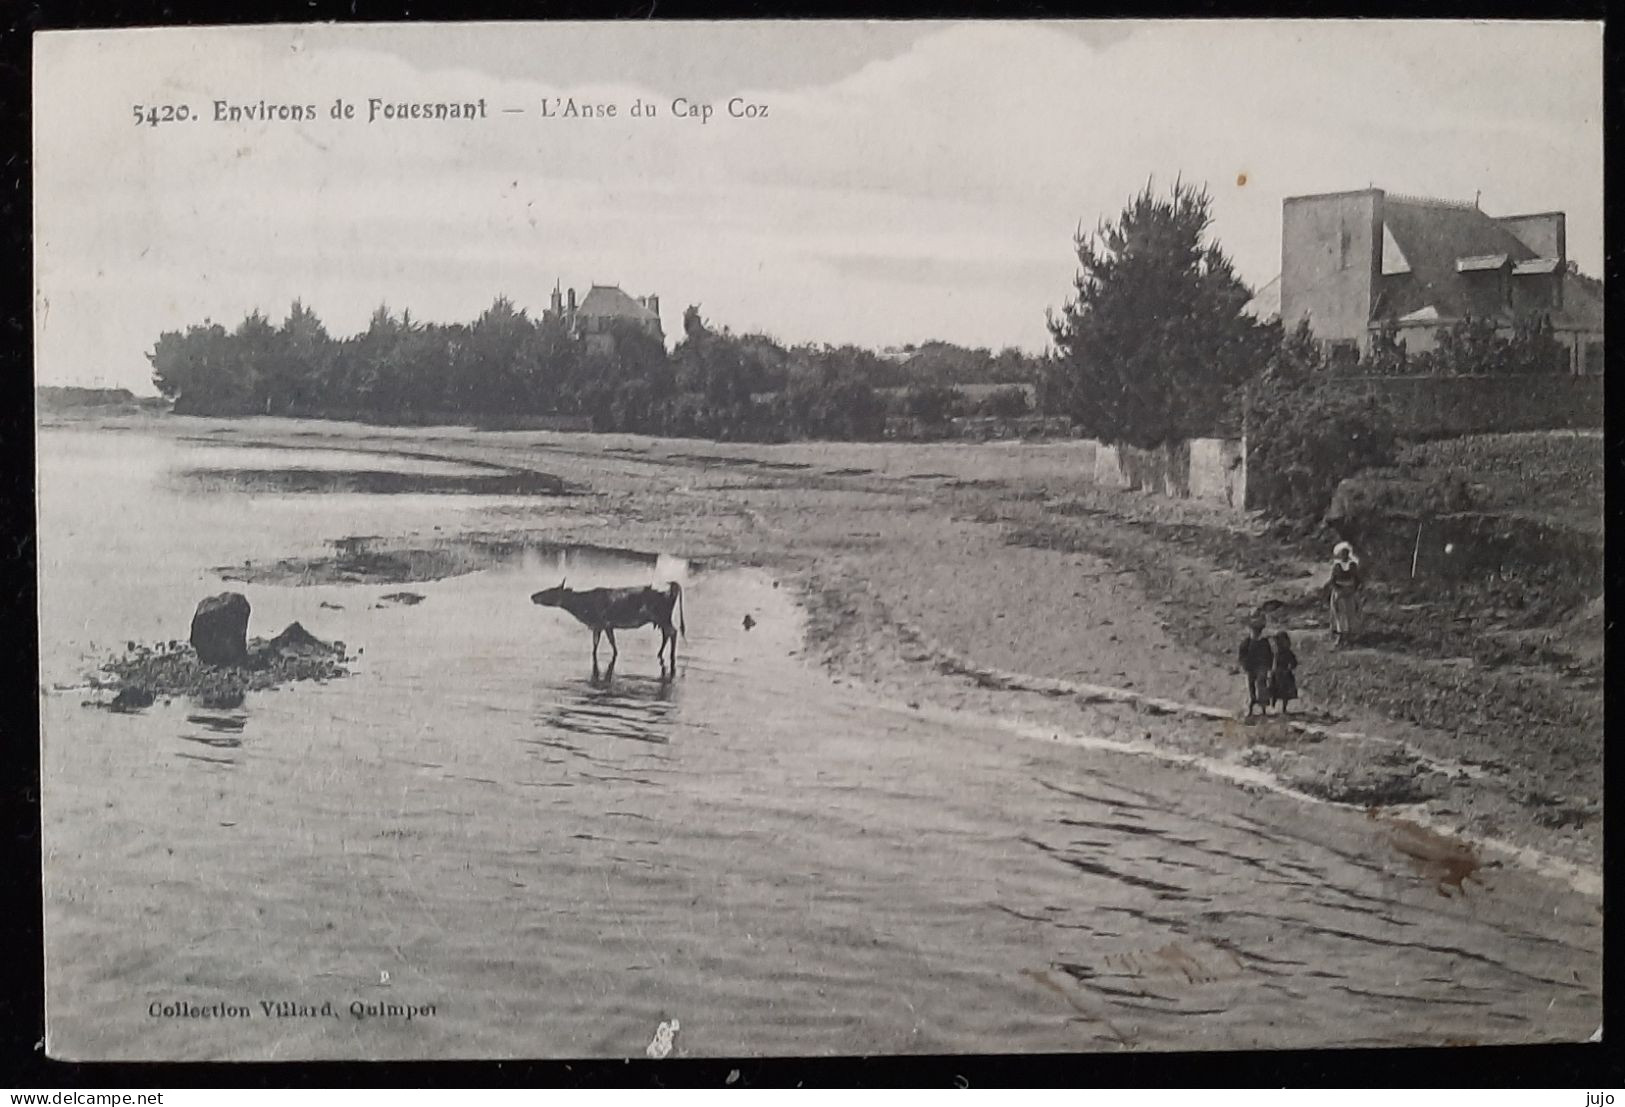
{"x":132,"y":698}
{"x":295,"y":643}
{"x":297,"y":640}
{"x":406,"y":598}
{"x":220,"y":629}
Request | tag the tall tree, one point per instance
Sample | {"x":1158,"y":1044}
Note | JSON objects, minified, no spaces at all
{"x":202,"y":371}
{"x":1154,"y":339}
{"x":490,"y":376}
{"x":301,"y":360}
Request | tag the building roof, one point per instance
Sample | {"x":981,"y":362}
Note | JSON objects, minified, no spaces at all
{"x":1265,"y":306}
{"x":1440,"y":241}
{"x":608,"y":301}
{"x":1393,"y":258}
{"x":1429,"y":314}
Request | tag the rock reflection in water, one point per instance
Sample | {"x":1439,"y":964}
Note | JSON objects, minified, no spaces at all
{"x":219,"y":733}
{"x":220,"y":723}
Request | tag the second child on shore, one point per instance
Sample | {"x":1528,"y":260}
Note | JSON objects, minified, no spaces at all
{"x":1257,"y":660}
{"x":1284,"y":677}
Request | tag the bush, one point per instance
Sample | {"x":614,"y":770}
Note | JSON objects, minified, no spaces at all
{"x":1303,"y":439}
{"x":1474,"y":347}
{"x":933,"y":403}
{"x":1005,"y":403}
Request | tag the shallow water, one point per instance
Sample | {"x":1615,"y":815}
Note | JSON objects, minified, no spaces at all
{"x":784,"y":864}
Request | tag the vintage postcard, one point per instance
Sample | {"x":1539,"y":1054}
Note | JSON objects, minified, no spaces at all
{"x":804,"y":539}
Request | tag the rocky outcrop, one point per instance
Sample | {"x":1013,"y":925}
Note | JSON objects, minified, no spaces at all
{"x":220,"y":630}
{"x":201,"y":670}
{"x":295,"y":643}
{"x":132,"y":698}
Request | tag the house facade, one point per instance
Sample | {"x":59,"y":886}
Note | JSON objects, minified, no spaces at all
{"x":1358,"y":264}
{"x":600,"y":309}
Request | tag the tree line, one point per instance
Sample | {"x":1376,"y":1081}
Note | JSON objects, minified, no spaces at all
{"x":1154,"y":346}
{"x":714,"y":383}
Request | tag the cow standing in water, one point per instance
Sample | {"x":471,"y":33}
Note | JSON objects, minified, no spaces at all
{"x":606,"y":610}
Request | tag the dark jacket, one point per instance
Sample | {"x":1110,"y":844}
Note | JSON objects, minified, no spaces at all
{"x":1346,"y":576}
{"x":1256,"y":655}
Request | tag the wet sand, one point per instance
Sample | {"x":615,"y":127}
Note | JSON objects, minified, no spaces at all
{"x":898,"y":858}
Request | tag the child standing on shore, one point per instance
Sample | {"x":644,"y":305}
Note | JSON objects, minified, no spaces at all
{"x":1257,"y":659}
{"x":1284,"y":677}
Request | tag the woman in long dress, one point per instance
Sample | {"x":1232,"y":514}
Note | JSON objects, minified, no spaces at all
{"x":1345,"y":591}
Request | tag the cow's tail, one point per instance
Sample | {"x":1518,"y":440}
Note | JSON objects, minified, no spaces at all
{"x":677,"y":597}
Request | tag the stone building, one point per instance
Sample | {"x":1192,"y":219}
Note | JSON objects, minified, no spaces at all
{"x":1356,"y":264}
{"x":603,"y":306}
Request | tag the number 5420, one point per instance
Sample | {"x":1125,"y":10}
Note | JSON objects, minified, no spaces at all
{"x":152,"y":115}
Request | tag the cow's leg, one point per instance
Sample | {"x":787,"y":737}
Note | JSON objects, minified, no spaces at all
{"x":614,"y":650}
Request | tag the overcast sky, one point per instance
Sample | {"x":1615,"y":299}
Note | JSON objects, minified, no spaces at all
{"x":910,"y":181}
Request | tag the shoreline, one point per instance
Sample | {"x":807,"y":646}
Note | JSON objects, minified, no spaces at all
{"x":888,"y":545}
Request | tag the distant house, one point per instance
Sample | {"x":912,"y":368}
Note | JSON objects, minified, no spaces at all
{"x":1356,"y":264}
{"x":605,"y":305}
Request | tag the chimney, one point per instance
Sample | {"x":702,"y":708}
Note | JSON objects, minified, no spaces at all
{"x":653,"y":303}
{"x":557,"y":300}
{"x":572,"y":301}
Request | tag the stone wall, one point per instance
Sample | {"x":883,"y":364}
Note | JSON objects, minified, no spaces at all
{"x":1218,"y":471}
{"x":1210,"y":469}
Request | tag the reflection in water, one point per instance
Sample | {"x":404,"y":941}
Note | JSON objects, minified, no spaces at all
{"x":631,"y":707}
{"x":224,"y":761}
{"x":226,"y":723}
{"x":216,"y":743}
{"x":218,"y":732}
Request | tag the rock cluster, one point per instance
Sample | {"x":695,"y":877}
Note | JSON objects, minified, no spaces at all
{"x":221,"y":664}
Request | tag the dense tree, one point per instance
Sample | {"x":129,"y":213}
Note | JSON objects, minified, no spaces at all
{"x":828,"y":394}
{"x":1154,"y":338}
{"x":1304,"y":436}
{"x":715,"y":383}
{"x":492,"y":374}
{"x":303,"y":366}
{"x":202,"y":370}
